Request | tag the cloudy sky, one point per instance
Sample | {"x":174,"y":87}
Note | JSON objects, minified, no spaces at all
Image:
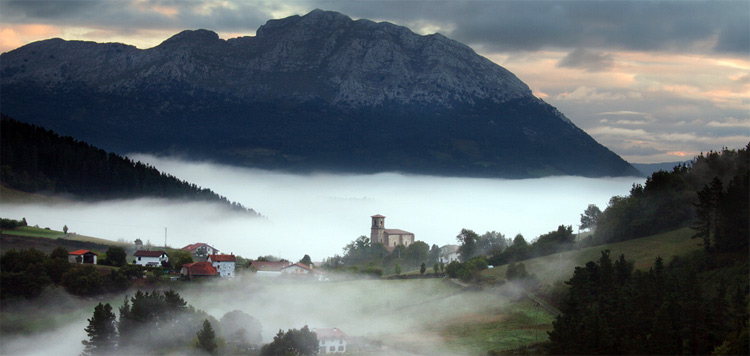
{"x":655,"y":81}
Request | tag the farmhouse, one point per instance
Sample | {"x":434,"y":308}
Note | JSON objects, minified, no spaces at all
{"x":267,"y":269}
{"x":297,"y":269}
{"x":82,"y":256}
{"x":390,"y":238}
{"x":449,"y":253}
{"x":224,"y":264}
{"x":200,"y":249}
{"x":331,"y":341}
{"x":198,"y":270}
{"x":150,"y":258}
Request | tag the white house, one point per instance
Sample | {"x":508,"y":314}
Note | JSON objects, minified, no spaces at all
{"x":201,"y":249}
{"x":150,"y":258}
{"x":297,"y":269}
{"x":448,"y":254}
{"x":331,"y":341}
{"x":224,"y":264}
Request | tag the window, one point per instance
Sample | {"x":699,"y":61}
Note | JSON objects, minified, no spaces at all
{"x":341,"y":348}
{"x":332,"y":348}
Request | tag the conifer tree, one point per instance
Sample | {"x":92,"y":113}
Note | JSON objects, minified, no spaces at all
{"x":207,"y":338}
{"x":101,"y":332}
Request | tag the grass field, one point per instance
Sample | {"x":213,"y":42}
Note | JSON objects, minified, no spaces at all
{"x":31,"y":231}
{"x":510,"y":327}
{"x":642,"y":252}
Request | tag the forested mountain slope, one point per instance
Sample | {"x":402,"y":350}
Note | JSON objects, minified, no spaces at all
{"x":33,"y":159}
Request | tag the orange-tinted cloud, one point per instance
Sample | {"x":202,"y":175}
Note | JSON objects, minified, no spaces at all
{"x":12,"y":37}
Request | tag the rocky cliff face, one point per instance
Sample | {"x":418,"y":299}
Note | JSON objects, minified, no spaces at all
{"x":367,"y":90}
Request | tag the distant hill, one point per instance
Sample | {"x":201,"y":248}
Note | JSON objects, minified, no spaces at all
{"x":33,"y":159}
{"x":313,"y":92}
{"x":649,"y":168}
{"x":642,"y":251}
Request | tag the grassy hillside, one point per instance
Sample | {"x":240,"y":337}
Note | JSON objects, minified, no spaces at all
{"x":31,"y":231}
{"x":642,"y":251}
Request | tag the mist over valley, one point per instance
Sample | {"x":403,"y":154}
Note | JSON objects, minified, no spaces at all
{"x":318,"y":214}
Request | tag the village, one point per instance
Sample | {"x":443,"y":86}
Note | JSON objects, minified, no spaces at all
{"x":208,"y":263}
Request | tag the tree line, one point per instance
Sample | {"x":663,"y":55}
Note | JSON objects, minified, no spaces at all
{"x":34,"y":159}
{"x":670,"y":200}
{"x":162,"y":322}
{"x":27,"y":273}
{"x":695,"y":305}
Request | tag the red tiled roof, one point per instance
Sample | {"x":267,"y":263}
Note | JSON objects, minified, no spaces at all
{"x":334,"y":333}
{"x":79,"y":252}
{"x":301,"y":265}
{"x":141,"y":253}
{"x":268,"y":266}
{"x":222,"y":258}
{"x":193,"y":247}
{"x":201,"y":268}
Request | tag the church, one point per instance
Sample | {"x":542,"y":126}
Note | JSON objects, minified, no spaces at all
{"x":390,"y":238}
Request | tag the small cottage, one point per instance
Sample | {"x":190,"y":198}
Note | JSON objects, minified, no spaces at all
{"x":82,"y":256}
{"x":331,"y":341}
{"x":224,"y":264}
{"x":195,"y":270}
{"x":150,"y":258}
{"x":267,"y":269}
{"x":448,"y":254}
{"x":297,"y":269}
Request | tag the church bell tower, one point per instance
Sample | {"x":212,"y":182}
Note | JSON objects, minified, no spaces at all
{"x":378,"y":228}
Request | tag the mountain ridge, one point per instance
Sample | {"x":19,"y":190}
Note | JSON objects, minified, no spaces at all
{"x":319,"y":91}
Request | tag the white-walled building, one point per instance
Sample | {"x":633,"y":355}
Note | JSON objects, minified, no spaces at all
{"x":201,"y":249}
{"x":448,"y":254}
{"x":150,"y":258}
{"x":331,"y":341}
{"x":224,"y":264}
{"x":297,"y":269}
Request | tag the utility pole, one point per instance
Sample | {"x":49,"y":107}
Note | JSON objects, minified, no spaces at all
{"x":165,"y":237}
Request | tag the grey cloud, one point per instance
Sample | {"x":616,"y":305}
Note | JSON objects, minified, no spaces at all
{"x":533,"y":25}
{"x":496,"y":25}
{"x":129,"y":16}
{"x":587,"y":60}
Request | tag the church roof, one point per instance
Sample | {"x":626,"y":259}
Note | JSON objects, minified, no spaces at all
{"x":397,"y":232}
{"x":377,"y":216}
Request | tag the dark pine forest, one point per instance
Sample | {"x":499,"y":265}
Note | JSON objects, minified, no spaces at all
{"x":37,"y":160}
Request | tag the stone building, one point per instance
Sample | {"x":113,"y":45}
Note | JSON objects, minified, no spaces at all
{"x":390,"y":238}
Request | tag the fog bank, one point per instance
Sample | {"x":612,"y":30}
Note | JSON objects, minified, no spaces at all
{"x":318,"y":214}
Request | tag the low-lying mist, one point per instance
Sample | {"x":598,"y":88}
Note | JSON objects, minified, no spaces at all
{"x":406,"y":316}
{"x":318,"y":214}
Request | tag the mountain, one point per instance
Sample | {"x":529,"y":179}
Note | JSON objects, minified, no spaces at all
{"x":313,"y":92}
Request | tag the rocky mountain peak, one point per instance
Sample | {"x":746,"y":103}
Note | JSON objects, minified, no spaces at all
{"x":309,"y":92}
{"x":191,"y":38}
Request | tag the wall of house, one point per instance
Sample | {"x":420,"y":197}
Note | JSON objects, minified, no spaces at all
{"x":225,"y":269}
{"x":142,"y":261}
{"x":339,"y":346}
